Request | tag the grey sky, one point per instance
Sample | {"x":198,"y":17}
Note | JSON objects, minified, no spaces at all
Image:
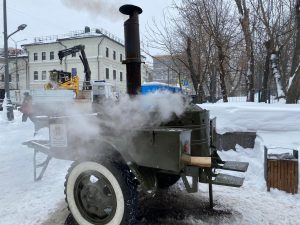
{"x":52,"y":17}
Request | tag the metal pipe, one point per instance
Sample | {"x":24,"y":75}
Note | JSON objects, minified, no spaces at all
{"x":27,"y":74}
{"x":66,"y":67}
{"x":16,"y":59}
{"x":98,"y":57}
{"x":132,"y":48}
{"x":6,"y":51}
{"x":27,"y":70}
{"x":9,"y":107}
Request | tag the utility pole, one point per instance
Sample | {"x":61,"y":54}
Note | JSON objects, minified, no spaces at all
{"x":6,"y":78}
{"x":10,"y":114}
{"x":10,"y":111}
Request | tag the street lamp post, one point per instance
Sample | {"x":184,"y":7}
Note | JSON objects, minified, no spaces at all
{"x":10,"y":112}
{"x":16,"y":60}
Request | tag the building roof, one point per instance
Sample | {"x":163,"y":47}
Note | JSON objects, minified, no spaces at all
{"x":81,"y":34}
{"x":2,"y":59}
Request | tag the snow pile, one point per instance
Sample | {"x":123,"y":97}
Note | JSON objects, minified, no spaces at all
{"x":252,"y":203}
{"x":23,"y":201}
{"x":277,"y":125}
{"x":254,"y":116}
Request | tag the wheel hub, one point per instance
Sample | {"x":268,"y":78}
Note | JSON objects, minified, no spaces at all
{"x":95,"y":197}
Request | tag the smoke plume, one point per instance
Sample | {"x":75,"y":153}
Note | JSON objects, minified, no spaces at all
{"x":109,"y":9}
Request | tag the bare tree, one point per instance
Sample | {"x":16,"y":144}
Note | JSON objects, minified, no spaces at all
{"x":245,"y":23}
{"x":216,"y":20}
{"x":294,"y":81}
{"x":275,"y":24}
{"x":233,"y":47}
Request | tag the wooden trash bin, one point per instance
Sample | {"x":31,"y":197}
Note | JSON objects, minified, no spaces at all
{"x":281,"y":171}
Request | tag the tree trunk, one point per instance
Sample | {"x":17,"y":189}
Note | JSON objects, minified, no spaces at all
{"x":276,"y":75}
{"x":213,"y":86}
{"x":293,"y":92}
{"x":221,"y":58}
{"x":264,"y":91}
{"x":293,"y":88}
{"x":194,"y":76}
{"x":245,"y":23}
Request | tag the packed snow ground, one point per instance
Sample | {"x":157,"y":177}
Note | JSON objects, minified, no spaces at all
{"x":25,"y":202}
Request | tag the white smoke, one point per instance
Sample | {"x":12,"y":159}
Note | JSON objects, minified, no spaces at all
{"x":109,"y":9}
{"x":126,"y":117}
{"x":144,"y":111}
{"x":121,"y":120}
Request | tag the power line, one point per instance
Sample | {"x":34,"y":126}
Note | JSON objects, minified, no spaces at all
{"x":37,"y":19}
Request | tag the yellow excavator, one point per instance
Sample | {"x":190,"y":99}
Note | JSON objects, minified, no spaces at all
{"x":68,"y":81}
{"x":62,"y":80}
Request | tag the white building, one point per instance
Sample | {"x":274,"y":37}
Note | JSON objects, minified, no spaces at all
{"x":104,"y":52}
{"x":18,"y":73}
{"x":104,"y":55}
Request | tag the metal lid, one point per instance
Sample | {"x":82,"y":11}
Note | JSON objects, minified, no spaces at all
{"x":130,"y":9}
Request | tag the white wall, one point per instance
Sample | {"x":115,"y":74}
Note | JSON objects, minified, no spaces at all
{"x":97,"y":62}
{"x":22,"y":71}
{"x":95,"y":49}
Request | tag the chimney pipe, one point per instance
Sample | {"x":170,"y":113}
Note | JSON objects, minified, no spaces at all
{"x":132,"y":48}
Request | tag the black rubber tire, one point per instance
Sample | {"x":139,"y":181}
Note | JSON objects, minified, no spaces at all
{"x":123,"y":183}
{"x":166,"y":180}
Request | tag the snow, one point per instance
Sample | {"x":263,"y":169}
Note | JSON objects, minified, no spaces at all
{"x":255,"y":117}
{"x":25,"y":202}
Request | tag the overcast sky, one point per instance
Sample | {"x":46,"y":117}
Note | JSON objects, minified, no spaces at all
{"x":52,"y":17}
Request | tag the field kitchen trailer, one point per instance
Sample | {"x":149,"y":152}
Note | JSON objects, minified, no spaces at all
{"x":108,"y":172}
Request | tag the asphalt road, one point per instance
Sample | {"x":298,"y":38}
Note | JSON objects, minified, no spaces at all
{"x":172,"y":206}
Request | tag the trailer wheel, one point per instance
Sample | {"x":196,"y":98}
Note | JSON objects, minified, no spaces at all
{"x":99,"y":194}
{"x":166,"y":180}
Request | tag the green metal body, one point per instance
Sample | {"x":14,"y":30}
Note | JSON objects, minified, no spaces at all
{"x":148,"y":151}
{"x":160,"y":148}
{"x":197,"y":120}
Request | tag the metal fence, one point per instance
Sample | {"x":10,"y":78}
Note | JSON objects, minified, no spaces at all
{"x":271,"y":97}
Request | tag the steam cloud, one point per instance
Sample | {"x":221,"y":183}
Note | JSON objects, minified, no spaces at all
{"x":129,"y":114}
{"x":144,"y":111}
{"x":122,"y":120}
{"x":110,"y":9}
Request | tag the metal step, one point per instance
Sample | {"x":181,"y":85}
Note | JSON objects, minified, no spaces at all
{"x":228,"y":180}
{"x":234,"y":166}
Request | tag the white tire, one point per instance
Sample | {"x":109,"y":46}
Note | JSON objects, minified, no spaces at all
{"x":113,"y":180}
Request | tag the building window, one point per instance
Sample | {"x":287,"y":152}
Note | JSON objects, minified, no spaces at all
{"x":114,"y":74}
{"x":44,"y":76}
{"x":107,"y":52}
{"x":121,"y":58}
{"x":43,"y":55}
{"x":35,"y":56}
{"x":114,"y":55}
{"x":35,"y":75}
{"x":9,"y":77}
{"x":107,"y":73}
{"x":2,"y":77}
{"x":121,"y":76}
{"x":74,"y":72}
{"x":73,"y":54}
{"x":51,"y":55}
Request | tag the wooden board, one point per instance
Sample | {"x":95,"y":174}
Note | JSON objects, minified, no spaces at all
{"x":283,"y":175}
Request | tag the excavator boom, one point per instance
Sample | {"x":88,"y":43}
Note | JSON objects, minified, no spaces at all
{"x":79,"y":48}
